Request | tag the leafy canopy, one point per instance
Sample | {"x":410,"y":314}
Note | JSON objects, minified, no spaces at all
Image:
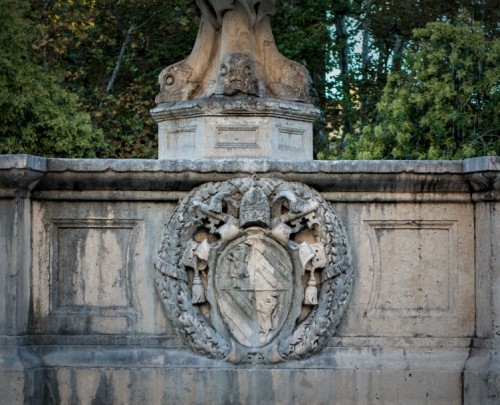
{"x":443,"y":104}
{"x":36,"y":115}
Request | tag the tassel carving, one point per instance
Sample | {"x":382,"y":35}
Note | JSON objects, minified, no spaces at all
{"x":311,"y":293}
{"x":198,"y":291}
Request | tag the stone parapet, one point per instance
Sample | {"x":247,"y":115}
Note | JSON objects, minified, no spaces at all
{"x":80,"y":319}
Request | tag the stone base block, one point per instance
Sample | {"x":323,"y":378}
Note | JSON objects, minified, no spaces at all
{"x":339,"y":375}
{"x":21,"y":376}
{"x":482,"y":377}
{"x":229,"y":128}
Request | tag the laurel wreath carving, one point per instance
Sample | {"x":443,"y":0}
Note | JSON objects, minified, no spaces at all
{"x":172,"y":279}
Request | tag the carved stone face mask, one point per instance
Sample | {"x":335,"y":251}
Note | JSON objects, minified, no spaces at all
{"x":237,"y":75}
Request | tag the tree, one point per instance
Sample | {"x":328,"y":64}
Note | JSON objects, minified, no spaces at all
{"x":369,"y":45}
{"x":36,"y":115}
{"x":444,"y":103}
{"x":111,"y":53}
{"x":301,"y":32}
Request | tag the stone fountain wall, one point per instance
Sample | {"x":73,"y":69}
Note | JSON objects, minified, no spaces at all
{"x":81,"y":321}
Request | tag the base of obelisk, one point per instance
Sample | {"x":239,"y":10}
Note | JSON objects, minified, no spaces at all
{"x":224,"y":127}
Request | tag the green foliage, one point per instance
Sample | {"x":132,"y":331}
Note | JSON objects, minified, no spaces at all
{"x":84,"y":39}
{"x":37,"y":116}
{"x":301,"y":31}
{"x":443,"y":104}
{"x":381,"y":91}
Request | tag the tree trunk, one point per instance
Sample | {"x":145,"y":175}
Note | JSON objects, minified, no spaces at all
{"x":365,"y":49}
{"x":119,"y":60}
{"x":365,"y":43}
{"x":343,"y":46}
{"x":397,"y":52}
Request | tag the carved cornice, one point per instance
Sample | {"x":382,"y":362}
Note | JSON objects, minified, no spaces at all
{"x":226,"y":106}
{"x":483,"y":175}
{"x":351,"y":180}
{"x":19,"y":174}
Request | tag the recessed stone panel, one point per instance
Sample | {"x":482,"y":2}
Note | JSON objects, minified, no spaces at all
{"x":92,"y":268}
{"x":415,"y":269}
{"x":237,"y":137}
{"x":182,"y":140}
{"x":413,"y":262}
{"x":291,"y":139}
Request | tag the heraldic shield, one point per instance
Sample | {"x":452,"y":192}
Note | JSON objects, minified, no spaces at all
{"x":254,"y":270}
{"x":253,"y":285}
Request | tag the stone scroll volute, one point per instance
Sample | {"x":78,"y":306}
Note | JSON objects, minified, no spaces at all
{"x":254,"y":270}
{"x":234,"y":55}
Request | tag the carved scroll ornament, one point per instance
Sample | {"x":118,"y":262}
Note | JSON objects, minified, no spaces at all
{"x":234,"y":55}
{"x":254,"y":270}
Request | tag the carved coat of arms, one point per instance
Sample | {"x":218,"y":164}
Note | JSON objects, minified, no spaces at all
{"x":254,"y":270}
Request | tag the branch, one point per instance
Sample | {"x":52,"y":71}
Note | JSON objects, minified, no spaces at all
{"x":150,"y":18}
{"x":121,"y":56}
{"x":124,"y":47}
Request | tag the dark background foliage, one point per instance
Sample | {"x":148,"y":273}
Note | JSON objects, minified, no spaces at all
{"x":78,"y":77}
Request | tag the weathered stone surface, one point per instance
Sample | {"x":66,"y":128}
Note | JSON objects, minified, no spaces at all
{"x":419,"y":375}
{"x":343,"y":180}
{"x":225,"y":128}
{"x":89,"y":267}
{"x":20,"y":372}
{"x":410,"y":223}
{"x":414,"y":269}
{"x":234,"y":55}
{"x":482,"y":372}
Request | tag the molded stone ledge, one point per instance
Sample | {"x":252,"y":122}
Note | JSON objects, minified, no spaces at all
{"x":482,"y":164}
{"x":21,"y":171}
{"x":257,"y":166}
{"x":483,"y":175}
{"x":367,"y":358}
{"x":78,"y":175}
{"x":248,"y":106}
{"x":324,"y":176}
{"x":49,"y":165}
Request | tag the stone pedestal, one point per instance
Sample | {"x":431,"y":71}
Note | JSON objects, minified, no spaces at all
{"x":212,"y":128}
{"x":20,"y":368}
{"x":482,"y":370}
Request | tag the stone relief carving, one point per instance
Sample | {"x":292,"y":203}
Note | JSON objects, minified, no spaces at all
{"x":254,"y":270}
{"x":237,"y":76}
{"x":234,"y":39}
